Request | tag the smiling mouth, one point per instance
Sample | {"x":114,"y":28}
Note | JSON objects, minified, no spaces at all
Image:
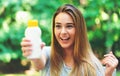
{"x":64,"y":39}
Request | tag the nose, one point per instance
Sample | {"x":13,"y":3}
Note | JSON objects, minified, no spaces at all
{"x":63,"y":31}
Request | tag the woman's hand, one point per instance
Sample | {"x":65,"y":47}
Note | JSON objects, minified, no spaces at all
{"x":26,"y":47}
{"x":111,"y":62}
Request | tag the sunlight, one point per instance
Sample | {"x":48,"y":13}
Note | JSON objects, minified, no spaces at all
{"x":104,"y":15}
{"x":115,"y":17}
{"x":22,"y":16}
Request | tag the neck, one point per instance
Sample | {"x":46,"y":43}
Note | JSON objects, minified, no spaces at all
{"x":68,"y":52}
{"x":68,"y":58}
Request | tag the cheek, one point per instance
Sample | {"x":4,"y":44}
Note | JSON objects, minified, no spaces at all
{"x":56,"y":34}
{"x":73,"y":34}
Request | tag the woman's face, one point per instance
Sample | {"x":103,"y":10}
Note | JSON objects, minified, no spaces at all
{"x":64,"y":30}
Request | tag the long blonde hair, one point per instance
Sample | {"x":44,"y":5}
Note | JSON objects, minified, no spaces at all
{"x":85,"y":61}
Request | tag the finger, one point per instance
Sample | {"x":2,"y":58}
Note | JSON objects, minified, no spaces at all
{"x":26,"y":49}
{"x":110,"y":58}
{"x":26,"y":53}
{"x":105,"y":60}
{"x":42,"y":45}
{"x":110,"y":61}
{"x":26,"y":44}
{"x":110,"y":54}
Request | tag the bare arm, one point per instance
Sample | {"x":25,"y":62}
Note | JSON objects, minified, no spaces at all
{"x":39,"y":63}
{"x":26,"y":51}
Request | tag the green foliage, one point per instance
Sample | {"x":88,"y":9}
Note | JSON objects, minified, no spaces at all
{"x":102,"y":20}
{"x":14,"y":15}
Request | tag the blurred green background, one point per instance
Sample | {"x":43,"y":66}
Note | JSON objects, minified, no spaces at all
{"x":102,"y":20}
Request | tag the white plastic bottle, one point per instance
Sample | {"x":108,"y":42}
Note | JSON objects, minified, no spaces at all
{"x":33,"y":33}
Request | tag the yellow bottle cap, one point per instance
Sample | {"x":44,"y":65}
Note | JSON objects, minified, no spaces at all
{"x":32,"y":23}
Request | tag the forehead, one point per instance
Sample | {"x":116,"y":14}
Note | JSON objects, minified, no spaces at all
{"x":63,"y":17}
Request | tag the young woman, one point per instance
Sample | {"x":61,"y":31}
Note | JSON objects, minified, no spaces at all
{"x":70,"y":53}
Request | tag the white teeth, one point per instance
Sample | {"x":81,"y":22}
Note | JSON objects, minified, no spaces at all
{"x":64,"y":38}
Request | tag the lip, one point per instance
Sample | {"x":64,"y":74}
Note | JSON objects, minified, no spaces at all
{"x":64,"y":40}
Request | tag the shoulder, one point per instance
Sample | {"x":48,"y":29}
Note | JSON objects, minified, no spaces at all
{"x":46,"y":50}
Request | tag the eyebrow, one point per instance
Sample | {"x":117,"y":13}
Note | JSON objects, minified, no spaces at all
{"x":60,"y":23}
{"x":57,"y":23}
{"x":70,"y":23}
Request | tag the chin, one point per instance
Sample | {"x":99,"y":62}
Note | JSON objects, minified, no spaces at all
{"x":65,"y":47}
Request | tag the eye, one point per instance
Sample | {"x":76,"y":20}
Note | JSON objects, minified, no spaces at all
{"x":70,"y":26}
{"x":57,"y":26}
